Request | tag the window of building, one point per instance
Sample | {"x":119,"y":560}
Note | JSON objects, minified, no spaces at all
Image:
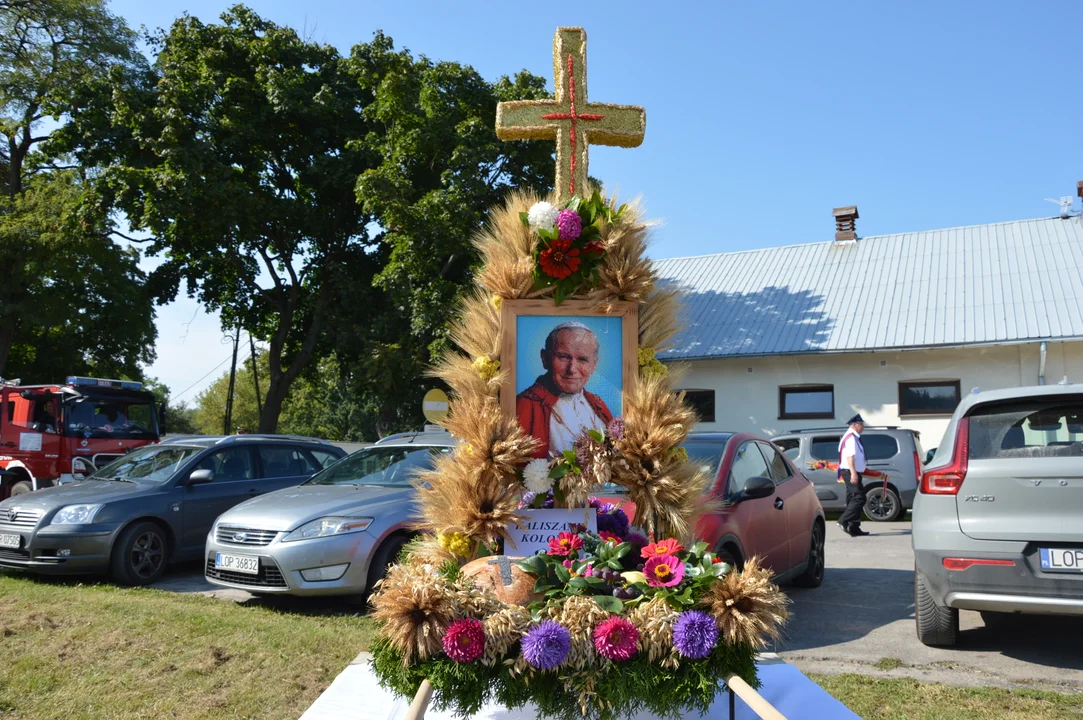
{"x":702,"y":401}
{"x":928,"y":398}
{"x":806,"y":402}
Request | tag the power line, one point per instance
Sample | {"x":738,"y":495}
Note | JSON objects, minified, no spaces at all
{"x":177,"y":395}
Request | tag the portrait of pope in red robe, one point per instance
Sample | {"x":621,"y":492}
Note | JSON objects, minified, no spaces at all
{"x":557,"y":407}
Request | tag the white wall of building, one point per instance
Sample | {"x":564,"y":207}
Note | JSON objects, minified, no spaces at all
{"x":747,"y":395}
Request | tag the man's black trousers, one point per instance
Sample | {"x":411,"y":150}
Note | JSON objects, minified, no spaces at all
{"x":855,"y":502}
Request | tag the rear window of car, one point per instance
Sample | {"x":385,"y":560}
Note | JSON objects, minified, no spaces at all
{"x":791,"y":447}
{"x":1028,"y":428}
{"x":825,"y":447}
{"x":879,"y":447}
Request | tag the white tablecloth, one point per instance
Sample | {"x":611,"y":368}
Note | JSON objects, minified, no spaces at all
{"x":356,"y":695}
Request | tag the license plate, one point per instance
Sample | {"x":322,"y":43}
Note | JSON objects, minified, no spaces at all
{"x":1066,"y":560}
{"x":237,"y":563}
{"x":11,"y":541}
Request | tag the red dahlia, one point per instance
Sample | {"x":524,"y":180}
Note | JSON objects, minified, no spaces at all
{"x":559,"y":260}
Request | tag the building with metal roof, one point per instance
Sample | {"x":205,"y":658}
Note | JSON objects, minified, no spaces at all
{"x":894,"y":326}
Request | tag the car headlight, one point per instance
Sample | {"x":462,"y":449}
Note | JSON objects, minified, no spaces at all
{"x":327,"y":526}
{"x":76,"y":515}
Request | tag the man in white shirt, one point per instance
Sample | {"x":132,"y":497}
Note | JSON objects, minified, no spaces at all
{"x":557,"y":408}
{"x":851,"y":466}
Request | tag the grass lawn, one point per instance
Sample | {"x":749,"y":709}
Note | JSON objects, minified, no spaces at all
{"x":881,"y":699}
{"x":98,"y":651}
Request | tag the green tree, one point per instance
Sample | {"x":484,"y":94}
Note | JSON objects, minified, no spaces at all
{"x":442,"y":167}
{"x":235,"y":154}
{"x":325,"y":204}
{"x":71,"y":300}
{"x":209,"y":414}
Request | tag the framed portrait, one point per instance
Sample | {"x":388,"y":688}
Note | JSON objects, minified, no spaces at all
{"x":567,"y":367}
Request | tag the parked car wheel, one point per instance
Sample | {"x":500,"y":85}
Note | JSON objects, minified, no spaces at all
{"x":882,"y":506}
{"x":936,"y":625}
{"x":813,"y":576}
{"x":140,"y":554}
{"x":21,"y":488}
{"x":385,"y":555}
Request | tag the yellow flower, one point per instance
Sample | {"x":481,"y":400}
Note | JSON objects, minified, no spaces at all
{"x":497,"y":302}
{"x":654,"y":368}
{"x":486,"y":367}
{"x":646,"y":355}
{"x":456,"y":543}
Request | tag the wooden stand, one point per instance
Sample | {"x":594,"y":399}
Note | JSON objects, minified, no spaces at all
{"x":737,"y":687}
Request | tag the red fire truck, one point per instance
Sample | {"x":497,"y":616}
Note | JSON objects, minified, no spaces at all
{"x":53,"y":434}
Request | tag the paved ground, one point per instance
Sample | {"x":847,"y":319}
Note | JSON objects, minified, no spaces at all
{"x":861,"y":620}
{"x":863,"y":615}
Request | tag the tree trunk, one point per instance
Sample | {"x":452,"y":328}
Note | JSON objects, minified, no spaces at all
{"x":7,"y":338}
{"x":278,"y":388}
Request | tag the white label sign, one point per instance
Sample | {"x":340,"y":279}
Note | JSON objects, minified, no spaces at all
{"x":542,"y":525}
{"x":30,"y":442}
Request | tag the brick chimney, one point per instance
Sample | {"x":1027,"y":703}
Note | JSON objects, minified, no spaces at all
{"x":845,"y":226}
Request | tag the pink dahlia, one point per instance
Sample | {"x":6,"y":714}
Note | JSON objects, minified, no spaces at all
{"x":464,"y":640}
{"x":569,"y":224}
{"x":664,"y":571}
{"x":565,"y":544}
{"x":616,"y":639}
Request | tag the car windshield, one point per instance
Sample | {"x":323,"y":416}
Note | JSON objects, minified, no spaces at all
{"x":386,"y":466}
{"x":154,"y":463}
{"x":113,"y":416}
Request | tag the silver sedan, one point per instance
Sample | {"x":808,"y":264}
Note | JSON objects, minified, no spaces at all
{"x":333,"y":535}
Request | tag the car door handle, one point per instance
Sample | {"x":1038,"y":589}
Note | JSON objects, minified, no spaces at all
{"x":778,"y":503}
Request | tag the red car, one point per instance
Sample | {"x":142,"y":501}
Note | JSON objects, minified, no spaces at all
{"x":769,"y":508}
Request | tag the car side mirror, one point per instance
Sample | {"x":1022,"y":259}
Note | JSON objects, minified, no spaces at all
{"x":200,"y":477}
{"x":757,"y":487}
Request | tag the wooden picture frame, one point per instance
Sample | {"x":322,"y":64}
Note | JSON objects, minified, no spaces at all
{"x":514,"y":313}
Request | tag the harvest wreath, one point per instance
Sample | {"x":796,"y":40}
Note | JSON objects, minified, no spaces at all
{"x":616,"y":614}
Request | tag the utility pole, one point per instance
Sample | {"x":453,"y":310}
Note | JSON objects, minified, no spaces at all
{"x":255,"y":376}
{"x":232,"y":377}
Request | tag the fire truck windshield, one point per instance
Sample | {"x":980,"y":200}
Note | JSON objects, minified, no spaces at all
{"x":111,"y":416}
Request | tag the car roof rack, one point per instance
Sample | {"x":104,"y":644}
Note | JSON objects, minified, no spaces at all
{"x":271,"y":436}
{"x":838,"y":428}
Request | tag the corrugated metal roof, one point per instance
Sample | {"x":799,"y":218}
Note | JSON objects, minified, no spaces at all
{"x":1005,"y":282}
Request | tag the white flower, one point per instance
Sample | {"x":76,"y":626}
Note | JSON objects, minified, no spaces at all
{"x":542,"y":216}
{"x":536,"y":476}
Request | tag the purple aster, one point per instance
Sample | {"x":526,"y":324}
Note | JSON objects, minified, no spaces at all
{"x":695,"y":634}
{"x":528,"y":499}
{"x":546,"y":645}
{"x":569,"y":224}
{"x":594,"y":503}
{"x":616,"y":428}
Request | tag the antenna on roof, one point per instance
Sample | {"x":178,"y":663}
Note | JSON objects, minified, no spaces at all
{"x":1065,"y":203}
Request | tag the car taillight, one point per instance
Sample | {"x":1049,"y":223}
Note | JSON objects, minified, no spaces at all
{"x":948,"y":480}
{"x":917,"y":465}
{"x":958,"y":564}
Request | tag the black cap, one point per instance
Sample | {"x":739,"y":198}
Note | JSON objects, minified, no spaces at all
{"x":856,"y":419}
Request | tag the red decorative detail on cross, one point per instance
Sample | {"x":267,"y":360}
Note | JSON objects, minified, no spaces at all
{"x":573,"y":116}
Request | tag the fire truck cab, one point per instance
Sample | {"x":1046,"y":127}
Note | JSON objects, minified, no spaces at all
{"x":53,"y":434}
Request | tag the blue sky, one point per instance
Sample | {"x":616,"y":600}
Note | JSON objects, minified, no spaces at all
{"x":761,"y":117}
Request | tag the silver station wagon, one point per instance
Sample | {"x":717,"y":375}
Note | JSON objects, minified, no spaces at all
{"x":335,"y":534}
{"x":998,"y":520}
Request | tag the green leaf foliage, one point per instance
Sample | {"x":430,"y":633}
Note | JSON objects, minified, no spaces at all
{"x":619,"y":690}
